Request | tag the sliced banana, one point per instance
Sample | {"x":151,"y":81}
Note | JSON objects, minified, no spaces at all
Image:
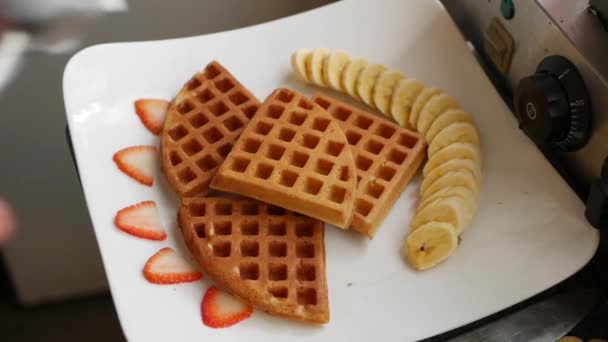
{"x":383,"y":90}
{"x":456,"y":198}
{"x":405,"y":94}
{"x":453,"y":178}
{"x":435,"y":106}
{"x":445,"y":119}
{"x":451,"y":165}
{"x":298,"y":63}
{"x":453,"y":210}
{"x":351,"y":74}
{"x":333,"y":68}
{"x":452,"y":151}
{"x":455,"y":191}
{"x":314,"y":63}
{"x":463,"y":132}
{"x":367,"y":81}
{"x":430,"y":244}
{"x":420,"y":102}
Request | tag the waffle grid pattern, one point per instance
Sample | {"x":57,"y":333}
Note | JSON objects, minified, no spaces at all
{"x":277,"y":252}
{"x":293,"y":149}
{"x":202,"y":124}
{"x":386,"y":157}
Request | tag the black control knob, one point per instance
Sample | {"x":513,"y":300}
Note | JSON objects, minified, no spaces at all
{"x":552,"y":105}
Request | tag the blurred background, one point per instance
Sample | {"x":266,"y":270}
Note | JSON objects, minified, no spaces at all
{"x":52,"y":282}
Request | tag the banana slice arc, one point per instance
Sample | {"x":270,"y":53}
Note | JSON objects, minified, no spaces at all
{"x":404,"y":95}
{"x":430,"y":244}
{"x":298,"y":63}
{"x":452,"y":174}
{"x":452,"y":210}
{"x":383,"y":90}
{"x":445,"y":119}
{"x":451,"y":165}
{"x":314,"y":64}
{"x":367,"y":81}
{"x":436,"y":105}
{"x":453,"y":178}
{"x":351,"y":74}
{"x":463,"y":132}
{"x":452,"y":151}
{"x":333,"y":68}
{"x":421,"y":101}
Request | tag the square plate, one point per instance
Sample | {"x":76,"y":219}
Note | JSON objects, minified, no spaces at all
{"x":529,"y":233}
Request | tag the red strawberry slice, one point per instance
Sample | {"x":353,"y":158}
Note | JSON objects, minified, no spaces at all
{"x":221,"y":310}
{"x":152,"y":113}
{"x":166,"y":267}
{"x":138,"y":162}
{"x":141,"y":220}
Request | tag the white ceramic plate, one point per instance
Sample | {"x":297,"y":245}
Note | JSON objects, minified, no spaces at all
{"x":530,"y":232}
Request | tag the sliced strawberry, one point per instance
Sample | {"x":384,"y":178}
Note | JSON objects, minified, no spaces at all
{"x":141,"y":220}
{"x":138,"y":162}
{"x":166,"y":267}
{"x":152,"y":113}
{"x":221,"y":310}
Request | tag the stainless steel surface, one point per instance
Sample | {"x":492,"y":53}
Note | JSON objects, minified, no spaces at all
{"x":547,"y":320}
{"x":537,"y":35}
{"x":54,"y":255}
{"x":583,"y":29}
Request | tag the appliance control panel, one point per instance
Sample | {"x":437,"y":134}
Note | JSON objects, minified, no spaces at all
{"x":553,"y":76}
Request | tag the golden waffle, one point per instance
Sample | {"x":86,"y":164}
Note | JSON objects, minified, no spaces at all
{"x":266,"y":255}
{"x":386,"y":156}
{"x":294,"y":155}
{"x":204,"y":120}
